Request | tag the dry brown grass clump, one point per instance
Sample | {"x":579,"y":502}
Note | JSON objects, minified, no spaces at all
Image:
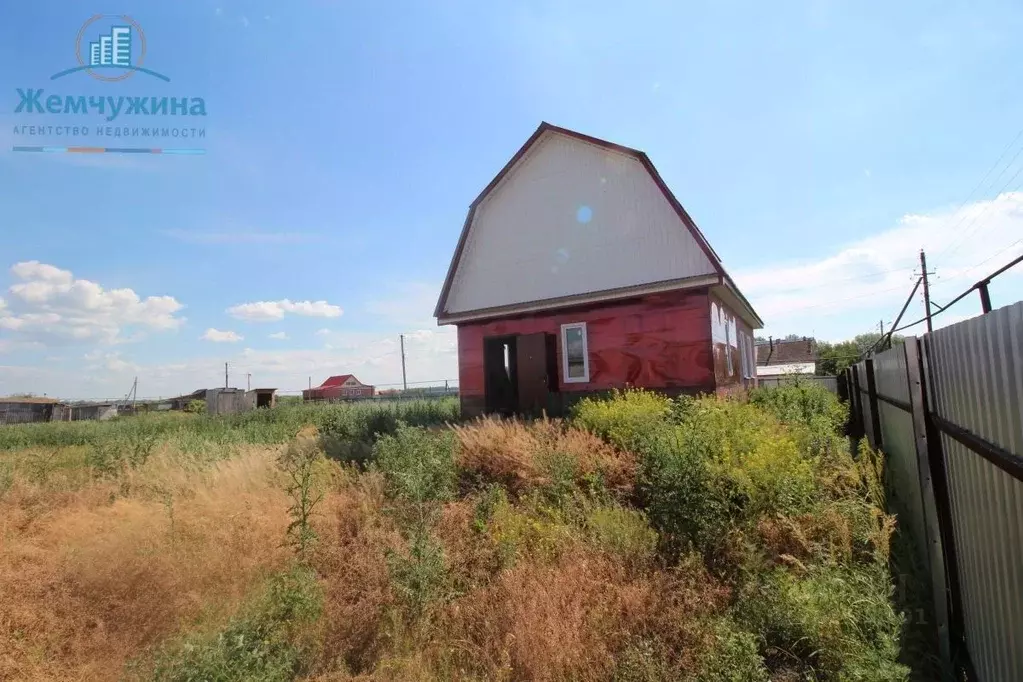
{"x":354,"y":534}
{"x":572,"y":620}
{"x":520,"y":456}
{"x":89,"y":579}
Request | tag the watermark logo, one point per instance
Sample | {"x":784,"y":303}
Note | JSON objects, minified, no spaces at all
{"x":110,"y":48}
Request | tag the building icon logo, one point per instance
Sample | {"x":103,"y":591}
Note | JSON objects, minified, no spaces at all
{"x":110,"y":48}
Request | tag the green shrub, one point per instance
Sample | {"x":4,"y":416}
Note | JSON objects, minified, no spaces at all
{"x":838,"y":621}
{"x":621,"y":531}
{"x":802,"y":402}
{"x":625,"y":418}
{"x":678,"y":490}
{"x":735,"y":656}
{"x":419,"y":576}
{"x":196,"y":406}
{"x":419,"y":466}
{"x":265,"y":643}
{"x":302,"y":464}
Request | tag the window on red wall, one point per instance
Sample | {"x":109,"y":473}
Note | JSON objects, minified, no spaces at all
{"x":575,"y":361}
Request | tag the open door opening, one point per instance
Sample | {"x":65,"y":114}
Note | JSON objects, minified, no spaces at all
{"x":501,"y":377}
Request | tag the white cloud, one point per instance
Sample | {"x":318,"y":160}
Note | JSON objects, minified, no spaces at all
{"x":49,"y":305}
{"x":218,"y":336}
{"x":323,"y":332}
{"x":279,"y":336}
{"x":268,"y":311}
{"x":110,"y":362}
{"x":846,"y":292}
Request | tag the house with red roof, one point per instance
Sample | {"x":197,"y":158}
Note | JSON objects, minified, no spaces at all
{"x":340,"y":387}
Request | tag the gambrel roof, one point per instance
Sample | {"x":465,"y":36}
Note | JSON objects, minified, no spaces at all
{"x":566,"y":194}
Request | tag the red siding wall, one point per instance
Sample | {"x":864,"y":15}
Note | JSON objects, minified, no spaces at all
{"x":659,"y":341}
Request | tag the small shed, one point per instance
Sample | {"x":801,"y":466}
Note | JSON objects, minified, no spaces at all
{"x":262,"y":397}
{"x":578,"y":271}
{"x":28,"y":409}
{"x":91,"y":411}
{"x":235,"y":400}
{"x":340,"y":387}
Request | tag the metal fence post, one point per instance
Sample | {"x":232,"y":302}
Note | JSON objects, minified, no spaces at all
{"x":938,"y":525}
{"x":875,"y":413}
{"x":857,"y":403}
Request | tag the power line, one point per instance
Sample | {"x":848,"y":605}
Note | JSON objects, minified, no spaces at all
{"x":982,"y":284}
{"x":967,"y":232}
{"x":842,"y":300}
{"x":982,"y":180}
{"x":847,"y":279}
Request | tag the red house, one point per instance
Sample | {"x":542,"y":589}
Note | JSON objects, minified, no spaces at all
{"x":578,"y":271}
{"x":339,"y":387}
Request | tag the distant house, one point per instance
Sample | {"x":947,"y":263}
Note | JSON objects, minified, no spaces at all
{"x":775,"y":358}
{"x":340,"y":387}
{"x":578,"y":271}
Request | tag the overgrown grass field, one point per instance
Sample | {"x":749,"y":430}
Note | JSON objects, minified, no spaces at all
{"x":641,"y":539}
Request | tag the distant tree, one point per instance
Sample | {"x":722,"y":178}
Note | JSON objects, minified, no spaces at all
{"x":793,"y":337}
{"x":833,"y":358}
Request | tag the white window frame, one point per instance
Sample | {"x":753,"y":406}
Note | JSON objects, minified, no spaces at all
{"x":585,"y":378}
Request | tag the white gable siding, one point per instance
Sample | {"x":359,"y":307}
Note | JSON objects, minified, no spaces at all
{"x":530,"y":239}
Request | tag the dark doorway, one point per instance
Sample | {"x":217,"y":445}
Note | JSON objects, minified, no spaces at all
{"x":264,"y":399}
{"x":501,"y":377}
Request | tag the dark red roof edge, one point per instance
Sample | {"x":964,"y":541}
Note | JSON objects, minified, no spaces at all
{"x":641,"y":156}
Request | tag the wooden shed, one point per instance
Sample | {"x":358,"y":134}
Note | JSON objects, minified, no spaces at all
{"x":578,"y":271}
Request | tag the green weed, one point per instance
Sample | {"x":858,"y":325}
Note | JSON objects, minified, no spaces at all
{"x":265,"y":643}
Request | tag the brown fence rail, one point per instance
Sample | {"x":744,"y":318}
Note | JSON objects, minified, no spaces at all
{"x":947,"y":409}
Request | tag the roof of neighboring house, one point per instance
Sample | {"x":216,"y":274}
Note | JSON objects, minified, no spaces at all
{"x":43,"y":400}
{"x":786,"y":352}
{"x":723,"y":279}
{"x":337,"y":380}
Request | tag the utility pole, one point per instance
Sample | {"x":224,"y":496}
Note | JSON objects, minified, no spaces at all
{"x":310,"y":383}
{"x":880,"y":325}
{"x":248,"y":385}
{"x":225,"y":375}
{"x":927,"y":291}
{"x":404,"y":383}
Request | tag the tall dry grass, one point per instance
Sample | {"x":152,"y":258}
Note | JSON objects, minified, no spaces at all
{"x":91,"y":576}
{"x":521,"y":455}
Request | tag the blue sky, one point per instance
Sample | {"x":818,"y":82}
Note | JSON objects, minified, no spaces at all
{"x":818,"y":145}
